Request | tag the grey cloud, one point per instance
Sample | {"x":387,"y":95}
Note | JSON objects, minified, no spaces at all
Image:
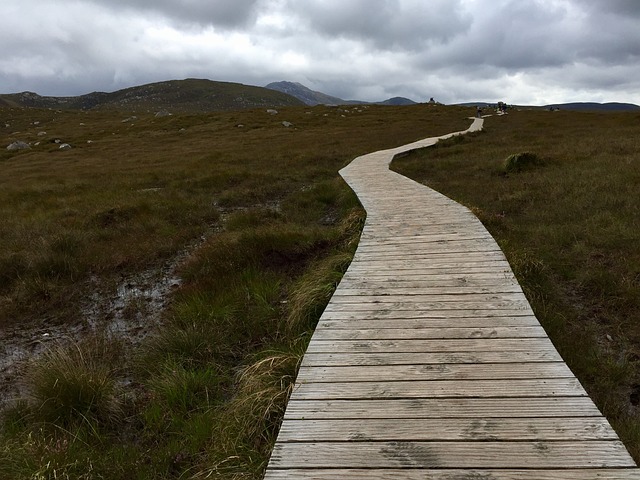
{"x":384,"y":24}
{"x":220,"y":13}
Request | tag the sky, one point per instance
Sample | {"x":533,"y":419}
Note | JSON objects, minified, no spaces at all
{"x":528,"y":52}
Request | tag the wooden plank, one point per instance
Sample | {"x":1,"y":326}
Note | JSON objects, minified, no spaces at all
{"x":448,"y":429}
{"x":424,"y":314}
{"x":325,"y":333}
{"x":409,"y":269}
{"x":552,"y":387}
{"x":344,"y":359}
{"x":349,"y":290}
{"x":433,"y":346}
{"x":593,"y":454}
{"x":412,"y":263}
{"x":418,"y":298}
{"x":460,"y":278}
{"x":443,"y":371}
{"x":521,"y":305}
{"x":451,"y":474}
{"x":470,"y":407}
{"x":411,"y":323}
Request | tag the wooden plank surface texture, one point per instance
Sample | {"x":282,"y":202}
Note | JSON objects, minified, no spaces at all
{"x":428,"y":362}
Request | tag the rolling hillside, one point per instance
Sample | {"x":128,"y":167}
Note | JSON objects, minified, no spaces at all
{"x":191,"y":95}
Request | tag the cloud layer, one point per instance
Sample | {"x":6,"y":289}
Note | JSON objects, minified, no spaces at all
{"x":521,"y":51}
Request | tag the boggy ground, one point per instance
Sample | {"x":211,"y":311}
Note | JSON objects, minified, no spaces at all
{"x":163,"y":275}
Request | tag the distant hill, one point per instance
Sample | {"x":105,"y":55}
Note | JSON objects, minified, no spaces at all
{"x":304,"y":94}
{"x":398,"y":101}
{"x":592,"y":106}
{"x":191,"y":95}
{"x":312,"y":97}
{"x":576,"y":106}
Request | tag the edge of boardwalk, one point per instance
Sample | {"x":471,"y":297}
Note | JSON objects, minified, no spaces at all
{"x":428,"y":361}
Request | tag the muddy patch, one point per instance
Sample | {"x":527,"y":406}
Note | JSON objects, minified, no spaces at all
{"x":130,"y":312}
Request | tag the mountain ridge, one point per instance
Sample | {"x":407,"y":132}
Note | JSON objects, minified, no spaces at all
{"x":189,"y":95}
{"x":312,"y":97}
{"x":572,"y":106}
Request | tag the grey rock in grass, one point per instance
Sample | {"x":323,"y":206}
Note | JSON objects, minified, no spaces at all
{"x":163,"y":113}
{"x":65,"y":146}
{"x":272,"y":112}
{"x":19,"y":145}
{"x":287,"y":124}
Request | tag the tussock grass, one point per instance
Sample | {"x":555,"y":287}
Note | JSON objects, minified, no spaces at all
{"x":521,"y":161}
{"x":570,"y":231}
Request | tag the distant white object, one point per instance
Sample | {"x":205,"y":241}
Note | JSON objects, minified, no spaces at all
{"x":272,"y":112}
{"x":65,"y":146}
{"x":287,"y":124}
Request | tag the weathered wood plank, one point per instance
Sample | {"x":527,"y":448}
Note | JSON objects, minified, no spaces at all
{"x":419,"y":298}
{"x":522,"y":305}
{"x":443,"y":371}
{"x":395,"y":254}
{"x":593,"y":454}
{"x":552,"y":387}
{"x":345,"y":359}
{"x":448,"y":429}
{"x":351,"y":290}
{"x":461,"y":278}
{"x":364,"y":323}
{"x":423,"y":313}
{"x":426,"y":264}
{"x":469,"y":407}
{"x":450,"y":474}
{"x":433,"y":346}
{"x":428,"y":333}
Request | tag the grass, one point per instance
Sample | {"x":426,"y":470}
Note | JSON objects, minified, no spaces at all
{"x":267,"y":228}
{"x":567,"y":219}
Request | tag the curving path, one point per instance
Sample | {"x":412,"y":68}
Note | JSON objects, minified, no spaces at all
{"x":428,"y":363}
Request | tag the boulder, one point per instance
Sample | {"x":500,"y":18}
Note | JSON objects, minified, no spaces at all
{"x":65,"y":146}
{"x":18,"y":146}
{"x":272,"y":112}
{"x":287,"y":124}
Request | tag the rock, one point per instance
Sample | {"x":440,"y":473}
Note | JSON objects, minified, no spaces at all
{"x":287,"y":124}
{"x":18,"y":146}
{"x":42,"y":134}
{"x":163,"y":113}
{"x":65,"y":146}
{"x":272,"y":112}
{"x":130,"y":119}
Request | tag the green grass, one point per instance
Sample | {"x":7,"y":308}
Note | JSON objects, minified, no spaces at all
{"x":204,"y":395}
{"x":568,"y":222}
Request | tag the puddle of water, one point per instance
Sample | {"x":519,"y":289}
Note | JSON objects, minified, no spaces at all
{"x":131,"y":312}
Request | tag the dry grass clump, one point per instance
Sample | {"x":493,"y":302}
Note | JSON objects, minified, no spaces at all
{"x":521,"y":161}
{"x":77,"y":383}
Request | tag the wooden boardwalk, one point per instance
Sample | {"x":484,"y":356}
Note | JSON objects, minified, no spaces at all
{"x":428,"y":363}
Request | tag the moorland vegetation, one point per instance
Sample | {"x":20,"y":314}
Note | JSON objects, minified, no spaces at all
{"x":264,"y":228}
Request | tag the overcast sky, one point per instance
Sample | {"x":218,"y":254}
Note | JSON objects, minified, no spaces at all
{"x":519,"y":51}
